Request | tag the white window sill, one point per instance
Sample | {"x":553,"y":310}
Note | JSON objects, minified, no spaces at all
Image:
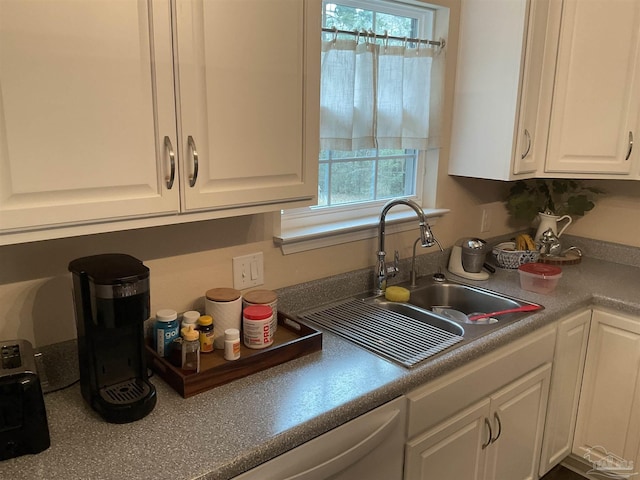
{"x":309,"y":238}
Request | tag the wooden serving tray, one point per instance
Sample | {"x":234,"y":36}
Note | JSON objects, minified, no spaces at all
{"x":570,"y":258}
{"x":292,"y":340}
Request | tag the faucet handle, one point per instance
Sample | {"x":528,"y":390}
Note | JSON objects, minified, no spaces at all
{"x":393,"y":269}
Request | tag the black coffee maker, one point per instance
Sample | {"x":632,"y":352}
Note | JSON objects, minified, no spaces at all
{"x":111,"y":296}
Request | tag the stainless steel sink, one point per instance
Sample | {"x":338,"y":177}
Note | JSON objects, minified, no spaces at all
{"x":410,"y":332}
{"x":431,"y":296}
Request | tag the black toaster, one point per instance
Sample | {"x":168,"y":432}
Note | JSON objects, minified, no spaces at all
{"x":23,"y":418}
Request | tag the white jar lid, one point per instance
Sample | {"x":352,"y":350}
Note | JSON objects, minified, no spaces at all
{"x":166,"y":315}
{"x":190,"y":316}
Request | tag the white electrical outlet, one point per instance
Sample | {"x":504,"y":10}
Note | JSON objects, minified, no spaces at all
{"x":248,"y":271}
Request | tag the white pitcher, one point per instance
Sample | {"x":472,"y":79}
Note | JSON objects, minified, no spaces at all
{"x":551,"y":221}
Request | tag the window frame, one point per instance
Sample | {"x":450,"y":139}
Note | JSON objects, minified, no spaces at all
{"x":307,"y":228}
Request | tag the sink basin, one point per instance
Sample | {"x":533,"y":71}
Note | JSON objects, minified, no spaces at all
{"x":465,"y":298}
{"x":429,"y":297}
{"x":422,"y":316}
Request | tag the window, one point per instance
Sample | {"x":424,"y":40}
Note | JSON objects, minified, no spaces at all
{"x":347,"y":177}
{"x":358,"y":174}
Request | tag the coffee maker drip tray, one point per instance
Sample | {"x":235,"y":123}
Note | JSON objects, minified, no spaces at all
{"x":124,"y":393}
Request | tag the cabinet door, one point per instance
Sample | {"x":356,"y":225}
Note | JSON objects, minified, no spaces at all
{"x":86,"y":102}
{"x":608,"y":423}
{"x":530,"y":136}
{"x":518,"y":414}
{"x":498,"y":80}
{"x":564,"y":393}
{"x":597,"y":95}
{"x":453,"y":450}
{"x":248,"y":119}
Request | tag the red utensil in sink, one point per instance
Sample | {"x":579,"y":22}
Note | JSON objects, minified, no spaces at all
{"x":524,"y":308}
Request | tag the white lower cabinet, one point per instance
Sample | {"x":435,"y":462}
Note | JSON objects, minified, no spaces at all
{"x":496,"y":438}
{"x":484,"y":420}
{"x":564,"y":393}
{"x":608,"y":425}
{"x":518,"y":414}
{"x":453,"y":449}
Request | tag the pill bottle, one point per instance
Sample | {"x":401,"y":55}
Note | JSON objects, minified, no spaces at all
{"x":189,"y":318}
{"x":190,"y":349}
{"x":256,"y":326}
{"x":231,"y":344}
{"x":165,"y":331}
{"x":205,"y":327}
{"x":263,"y":297}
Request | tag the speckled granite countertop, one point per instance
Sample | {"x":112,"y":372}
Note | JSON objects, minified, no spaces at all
{"x":225,"y":431}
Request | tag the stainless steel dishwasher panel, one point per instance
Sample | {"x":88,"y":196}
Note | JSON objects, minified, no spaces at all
{"x":369,"y":447}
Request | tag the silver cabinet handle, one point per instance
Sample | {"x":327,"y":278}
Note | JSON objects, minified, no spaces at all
{"x":630,"y":146}
{"x":192,"y":146}
{"x":172,"y":159}
{"x":495,"y":415}
{"x":489,"y":440}
{"x":528,"y":135}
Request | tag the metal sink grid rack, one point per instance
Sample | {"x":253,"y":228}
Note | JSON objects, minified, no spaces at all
{"x":391,"y":335}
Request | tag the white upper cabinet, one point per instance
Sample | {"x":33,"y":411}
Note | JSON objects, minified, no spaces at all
{"x":86,"y":99}
{"x":596,"y":98}
{"x":498,"y":80}
{"x":106,"y":107}
{"x":241,"y":70}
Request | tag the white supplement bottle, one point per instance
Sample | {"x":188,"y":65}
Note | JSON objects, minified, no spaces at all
{"x":231,"y":344}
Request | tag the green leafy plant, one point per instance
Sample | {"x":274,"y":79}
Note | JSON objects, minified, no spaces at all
{"x":559,"y":196}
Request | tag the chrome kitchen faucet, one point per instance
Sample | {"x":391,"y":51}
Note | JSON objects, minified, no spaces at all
{"x":426,"y":237}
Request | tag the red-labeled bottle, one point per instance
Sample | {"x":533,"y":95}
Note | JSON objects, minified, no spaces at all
{"x":256,"y":326}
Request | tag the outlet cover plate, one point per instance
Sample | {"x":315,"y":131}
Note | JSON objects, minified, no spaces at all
{"x":248,"y":271}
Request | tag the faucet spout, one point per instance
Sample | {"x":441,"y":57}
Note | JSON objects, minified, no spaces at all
{"x":427,"y":239}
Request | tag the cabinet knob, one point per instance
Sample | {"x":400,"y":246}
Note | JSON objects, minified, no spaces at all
{"x":630,"y":146}
{"x":172,"y":159}
{"x":194,"y":153}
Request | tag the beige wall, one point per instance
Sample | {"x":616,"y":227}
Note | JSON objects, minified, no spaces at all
{"x":186,"y":260}
{"x":616,"y":217}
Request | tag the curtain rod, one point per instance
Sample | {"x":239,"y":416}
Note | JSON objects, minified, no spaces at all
{"x":383,"y":36}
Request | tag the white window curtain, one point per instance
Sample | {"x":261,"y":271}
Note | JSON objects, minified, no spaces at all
{"x":379,"y":96}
